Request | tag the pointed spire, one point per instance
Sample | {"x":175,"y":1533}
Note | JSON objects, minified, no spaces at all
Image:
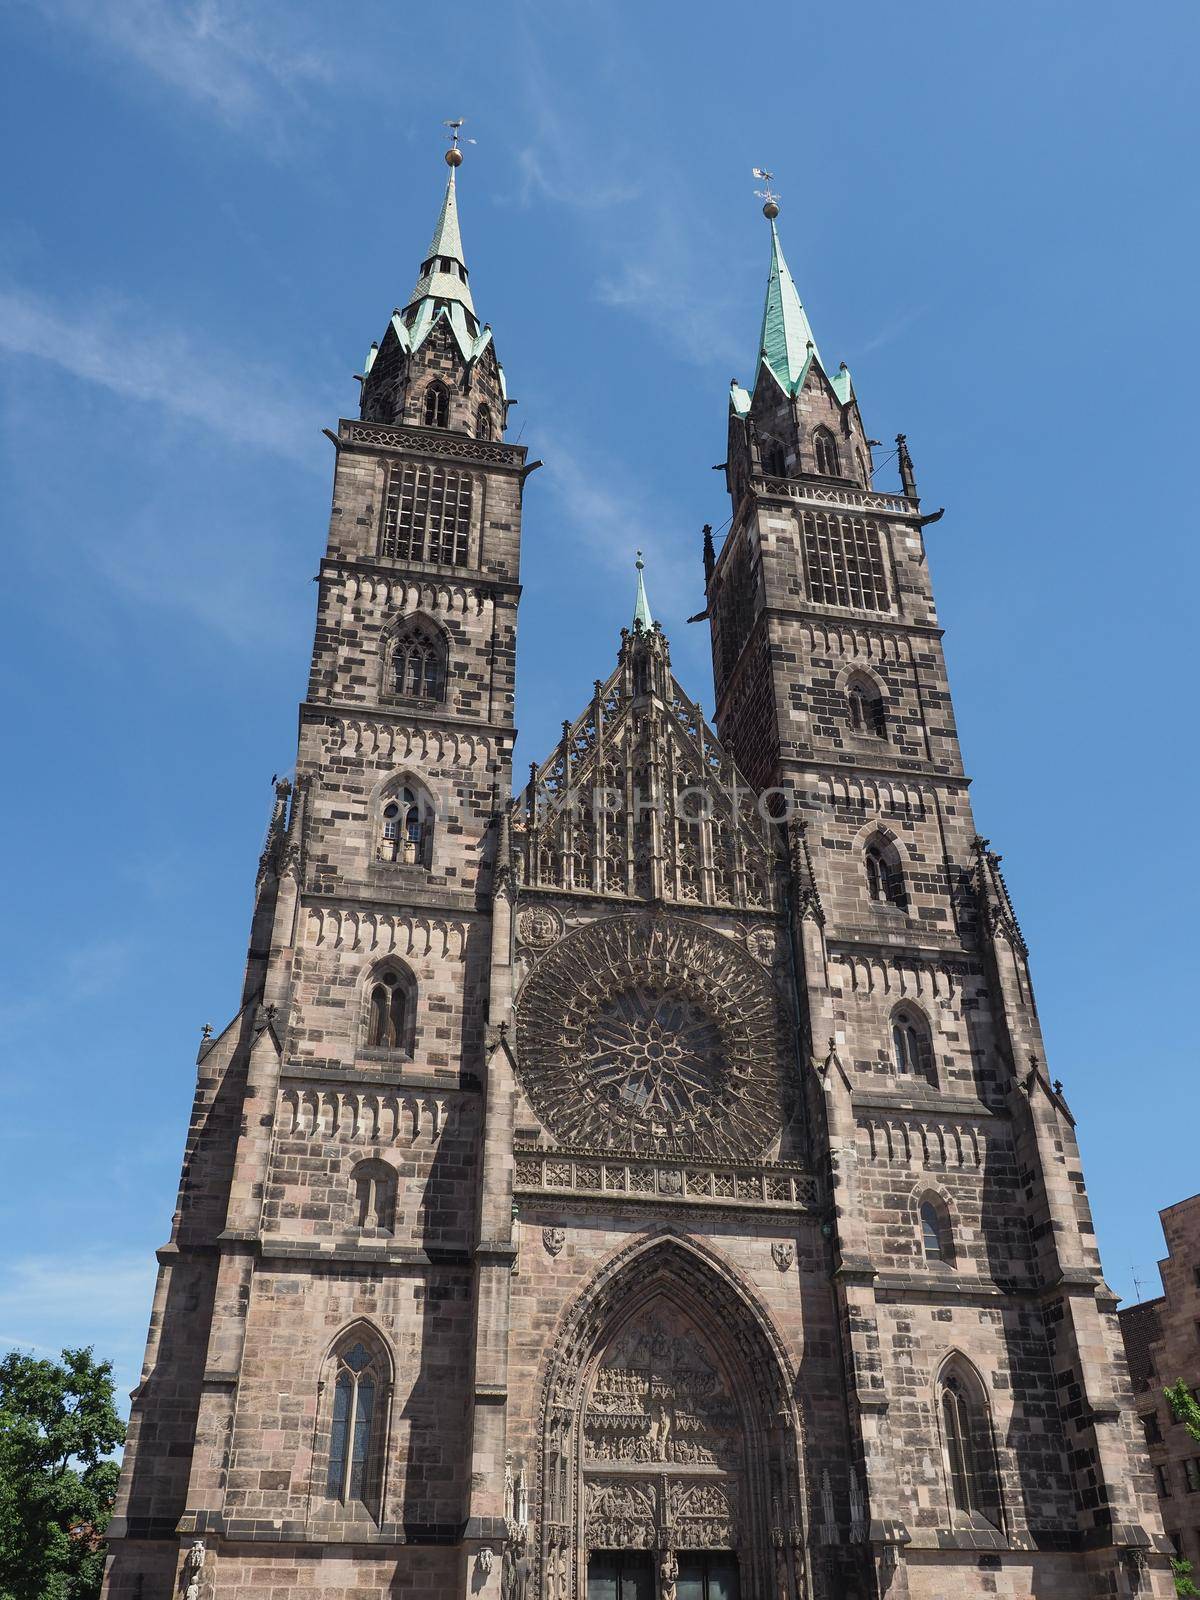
{"x":786,"y":342}
{"x":443,"y":273}
{"x":641,"y":610}
{"x":786,"y":345}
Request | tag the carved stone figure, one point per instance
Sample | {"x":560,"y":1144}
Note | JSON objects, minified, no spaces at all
{"x":193,"y":1570}
{"x":668,"y":1575}
{"x":538,"y":927}
{"x":553,"y":1239}
{"x":784,"y":1253}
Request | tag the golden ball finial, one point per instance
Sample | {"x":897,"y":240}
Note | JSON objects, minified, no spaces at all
{"x":770,"y":210}
{"x":454,"y":156}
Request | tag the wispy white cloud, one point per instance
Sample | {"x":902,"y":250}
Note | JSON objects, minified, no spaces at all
{"x":652,"y":249}
{"x":129,"y":352}
{"x":242,"y":64}
{"x":80,"y":1297}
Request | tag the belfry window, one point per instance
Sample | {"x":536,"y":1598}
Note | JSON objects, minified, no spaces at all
{"x":844,"y":561}
{"x":912,"y":1051}
{"x":825,"y":452}
{"x":865,"y":706}
{"x":419,"y":663}
{"x":437,"y":406}
{"x":387,"y":1016}
{"x":427,"y":514}
{"x":404,"y":833}
{"x":885,"y":881}
{"x":483,"y":423}
{"x":355,"y":1452}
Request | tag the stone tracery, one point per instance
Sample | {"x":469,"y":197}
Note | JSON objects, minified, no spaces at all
{"x":648,"y":1031}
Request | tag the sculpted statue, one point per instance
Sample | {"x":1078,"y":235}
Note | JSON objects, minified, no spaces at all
{"x":516,"y":1575}
{"x":668,"y":1575}
{"x":193,"y":1570}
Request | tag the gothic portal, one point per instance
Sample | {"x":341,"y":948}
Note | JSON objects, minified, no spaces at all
{"x":647,"y":1185}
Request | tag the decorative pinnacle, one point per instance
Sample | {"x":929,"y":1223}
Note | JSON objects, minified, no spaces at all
{"x":642,"y":616}
{"x":767,"y":195}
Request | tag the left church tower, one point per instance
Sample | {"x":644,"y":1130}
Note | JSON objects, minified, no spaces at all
{"x":311,"y":1414}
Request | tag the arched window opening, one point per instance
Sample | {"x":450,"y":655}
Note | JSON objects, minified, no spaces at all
{"x":483,"y":423}
{"x":885,"y":880}
{"x":971,"y":1477}
{"x":374,"y":1196}
{"x":936,"y":1237}
{"x":864,"y":475}
{"x":912,"y":1048}
{"x":355,"y":1437}
{"x":387,"y":1014}
{"x":405,"y":831}
{"x":774,"y":461}
{"x":419,"y":663}
{"x":825,"y":450}
{"x":437,"y":406}
{"x":865,"y":707}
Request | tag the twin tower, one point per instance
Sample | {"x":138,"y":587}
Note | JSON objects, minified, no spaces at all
{"x":646,"y":1185}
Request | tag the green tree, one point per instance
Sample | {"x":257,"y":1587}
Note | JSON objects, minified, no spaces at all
{"x":1185,"y":1409}
{"x":58,"y":1429}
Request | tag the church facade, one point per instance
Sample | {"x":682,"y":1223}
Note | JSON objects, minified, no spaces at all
{"x":649,"y":1186}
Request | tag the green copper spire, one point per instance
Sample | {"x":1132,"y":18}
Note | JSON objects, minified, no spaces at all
{"x":641,"y":609}
{"x":444,"y":271}
{"x":786,"y":346}
{"x":786,"y":342}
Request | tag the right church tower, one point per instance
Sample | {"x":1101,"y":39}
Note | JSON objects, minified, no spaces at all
{"x":985,"y":1382}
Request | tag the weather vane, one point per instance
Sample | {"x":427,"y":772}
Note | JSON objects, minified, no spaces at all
{"x":454,"y":155}
{"x":768,"y":196}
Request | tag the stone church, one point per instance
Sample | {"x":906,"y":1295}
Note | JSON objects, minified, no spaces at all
{"x":646,"y":1183}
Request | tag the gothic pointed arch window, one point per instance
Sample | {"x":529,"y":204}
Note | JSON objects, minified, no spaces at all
{"x":436,"y":412}
{"x":825,"y":453}
{"x":773,"y":459}
{"x":864,"y":475}
{"x":483,"y":423}
{"x":912,"y":1044}
{"x":357,"y":1386}
{"x":405,"y":827}
{"x":937,"y":1236}
{"x":418,"y":661}
{"x":373,"y":1199}
{"x":865,"y":706}
{"x":969,"y":1453}
{"x":389,"y":1009}
{"x":885,"y":877}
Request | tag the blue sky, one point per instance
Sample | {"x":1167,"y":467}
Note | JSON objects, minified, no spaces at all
{"x":211,"y":210}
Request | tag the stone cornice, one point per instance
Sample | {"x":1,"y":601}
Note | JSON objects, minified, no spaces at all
{"x":391,"y":437}
{"x":400,"y":714}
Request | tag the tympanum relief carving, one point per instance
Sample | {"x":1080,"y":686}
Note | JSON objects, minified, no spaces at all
{"x":662,"y":1447}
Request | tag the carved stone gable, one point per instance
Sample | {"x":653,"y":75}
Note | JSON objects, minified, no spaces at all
{"x":640,"y":800}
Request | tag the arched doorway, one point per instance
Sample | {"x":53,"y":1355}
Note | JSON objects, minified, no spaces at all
{"x":669,"y":1461}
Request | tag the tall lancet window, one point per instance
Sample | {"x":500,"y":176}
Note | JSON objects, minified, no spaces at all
{"x":355,"y":1442}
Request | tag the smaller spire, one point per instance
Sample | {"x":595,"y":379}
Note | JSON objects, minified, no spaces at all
{"x":641,"y":610}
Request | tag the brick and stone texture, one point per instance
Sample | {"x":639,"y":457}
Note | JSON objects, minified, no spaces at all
{"x":1162,"y":1344}
{"x":697,"y":1200}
